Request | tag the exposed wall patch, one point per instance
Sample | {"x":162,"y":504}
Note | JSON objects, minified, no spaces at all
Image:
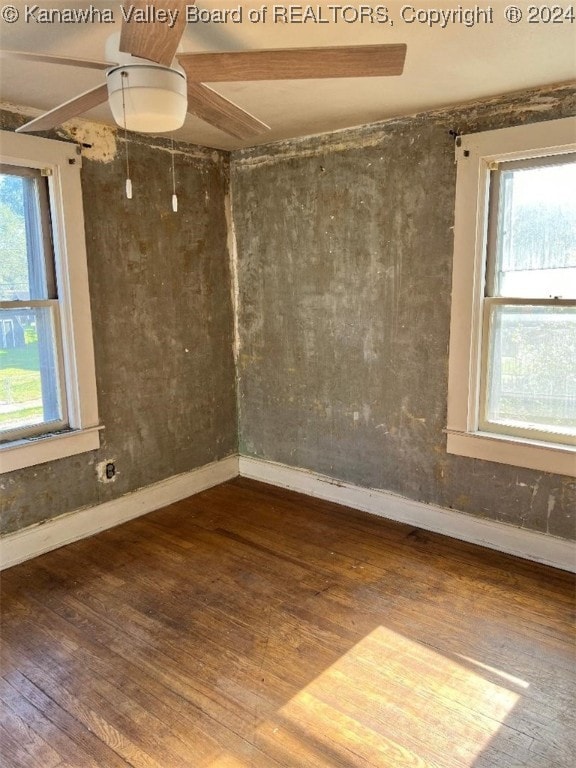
{"x":233,"y":254}
{"x":99,"y":141}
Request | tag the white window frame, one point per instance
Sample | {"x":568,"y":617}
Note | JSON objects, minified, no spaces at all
{"x":62,"y":164}
{"x":476,"y":155}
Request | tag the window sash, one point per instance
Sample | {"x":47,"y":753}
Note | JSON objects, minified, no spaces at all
{"x":493,"y":297}
{"x":484,"y":423}
{"x":41,"y":282}
{"x":491,"y":286}
{"x":42,"y":275}
{"x":54,"y":425}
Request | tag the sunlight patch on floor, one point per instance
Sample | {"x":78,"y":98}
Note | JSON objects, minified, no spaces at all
{"x":387,"y":697}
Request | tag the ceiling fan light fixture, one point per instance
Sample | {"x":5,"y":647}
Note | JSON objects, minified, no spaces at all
{"x":148,"y":98}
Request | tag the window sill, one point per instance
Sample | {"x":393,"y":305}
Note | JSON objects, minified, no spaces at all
{"x":32,"y":451}
{"x":546,"y":457}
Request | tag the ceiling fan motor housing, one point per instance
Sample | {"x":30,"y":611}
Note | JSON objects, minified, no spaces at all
{"x":148,"y":98}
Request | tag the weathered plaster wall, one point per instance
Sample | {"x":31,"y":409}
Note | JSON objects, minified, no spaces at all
{"x":163,"y":326}
{"x":344,"y":269}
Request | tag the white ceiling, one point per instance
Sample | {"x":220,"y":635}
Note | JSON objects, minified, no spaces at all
{"x":443,"y":66}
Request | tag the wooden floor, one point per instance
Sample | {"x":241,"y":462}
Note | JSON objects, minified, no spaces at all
{"x":253,"y":627}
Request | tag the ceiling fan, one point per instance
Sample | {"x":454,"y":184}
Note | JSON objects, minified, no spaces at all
{"x":149,"y":91}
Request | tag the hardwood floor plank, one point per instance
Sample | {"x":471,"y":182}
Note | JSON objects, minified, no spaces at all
{"x":202,"y":687}
{"x":13,"y":753}
{"x":39,"y":753}
{"x":56,"y":726}
{"x":251,"y":627}
{"x":206,"y":708}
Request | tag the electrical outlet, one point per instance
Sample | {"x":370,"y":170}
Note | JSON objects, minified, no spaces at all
{"x":106,"y":471}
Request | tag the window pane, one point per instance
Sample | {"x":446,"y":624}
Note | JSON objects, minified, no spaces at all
{"x":29,"y":377}
{"x":25,"y":239}
{"x":536,"y":237}
{"x":532,"y":368}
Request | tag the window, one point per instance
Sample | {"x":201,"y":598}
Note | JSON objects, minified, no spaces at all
{"x":512,"y":375}
{"x":32,"y":393}
{"x":48,"y":404}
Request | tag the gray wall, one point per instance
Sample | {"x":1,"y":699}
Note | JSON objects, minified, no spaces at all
{"x":159,"y":285}
{"x":344,"y":267}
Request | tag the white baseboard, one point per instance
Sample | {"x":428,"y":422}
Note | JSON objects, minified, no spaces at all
{"x":530,"y":545}
{"x":37,"y":539}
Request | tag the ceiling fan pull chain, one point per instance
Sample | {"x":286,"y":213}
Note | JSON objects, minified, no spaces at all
{"x":128,"y":179}
{"x":174,"y":196}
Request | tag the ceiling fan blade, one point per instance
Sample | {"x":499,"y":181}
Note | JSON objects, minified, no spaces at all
{"x":48,"y":58}
{"x":143,"y":35}
{"x":222,"y":113}
{"x":66,"y":111}
{"x":295,"y":63}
